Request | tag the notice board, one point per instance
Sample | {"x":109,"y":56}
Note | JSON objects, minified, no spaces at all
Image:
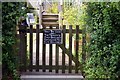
{"x":52,"y":36}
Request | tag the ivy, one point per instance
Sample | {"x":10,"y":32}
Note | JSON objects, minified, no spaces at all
{"x":103,"y":20}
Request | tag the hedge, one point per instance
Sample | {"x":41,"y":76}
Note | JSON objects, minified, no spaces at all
{"x":11,"y":11}
{"x":103,"y":20}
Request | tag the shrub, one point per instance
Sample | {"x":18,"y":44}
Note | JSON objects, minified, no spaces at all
{"x":104,"y":48}
{"x":11,"y":11}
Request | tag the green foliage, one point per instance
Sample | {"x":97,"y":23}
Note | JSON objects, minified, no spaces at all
{"x":104,"y":47}
{"x":54,"y":8}
{"x":74,"y":15}
{"x":11,"y":11}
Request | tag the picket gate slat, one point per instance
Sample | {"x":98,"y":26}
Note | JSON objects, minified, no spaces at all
{"x":77,"y":48}
{"x":37,"y":47}
{"x":31,"y":46}
{"x":63,"y":51}
{"x":57,"y":58}
{"x":50,"y":55}
{"x":43,"y":53}
{"x":70,"y":48}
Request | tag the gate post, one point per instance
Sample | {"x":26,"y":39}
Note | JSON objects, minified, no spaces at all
{"x":77,"y":49}
{"x":22,"y":47}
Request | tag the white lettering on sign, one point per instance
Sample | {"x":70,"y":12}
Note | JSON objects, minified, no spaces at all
{"x":52,"y":36}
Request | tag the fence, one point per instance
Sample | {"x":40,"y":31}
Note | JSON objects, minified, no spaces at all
{"x":26,"y":57}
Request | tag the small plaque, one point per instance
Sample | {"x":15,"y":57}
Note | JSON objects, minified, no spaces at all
{"x":53,"y":36}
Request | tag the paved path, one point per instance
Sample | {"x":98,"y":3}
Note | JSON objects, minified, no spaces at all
{"x":51,"y":77}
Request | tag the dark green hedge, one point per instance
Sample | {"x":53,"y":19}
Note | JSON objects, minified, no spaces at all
{"x":11,"y":11}
{"x":104,"y":48}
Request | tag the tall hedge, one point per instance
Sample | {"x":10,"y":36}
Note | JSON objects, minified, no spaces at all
{"x":104,"y":47}
{"x":11,"y":11}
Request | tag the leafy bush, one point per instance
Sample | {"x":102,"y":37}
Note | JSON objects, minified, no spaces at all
{"x":74,"y":15}
{"x":11,"y":11}
{"x":104,"y":48}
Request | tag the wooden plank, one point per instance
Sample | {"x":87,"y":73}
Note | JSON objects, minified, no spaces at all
{"x":70,"y":48}
{"x":63,"y":51}
{"x":50,"y":16}
{"x":46,"y":14}
{"x":57,"y":57}
{"x":43,"y":54}
{"x":41,"y":31}
{"x":20,"y":50}
{"x":66,"y":51}
{"x":50,"y":55}
{"x":50,"y":23}
{"x":50,"y":58}
{"x":77,"y":48}
{"x":40,"y":16}
{"x":31,"y":47}
{"x":73,"y":58}
{"x":50,"y":19}
{"x":37,"y":46}
{"x":23,"y":48}
{"x":53,"y":67}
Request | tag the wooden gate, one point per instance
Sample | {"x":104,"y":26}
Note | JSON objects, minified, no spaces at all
{"x":33,"y":52}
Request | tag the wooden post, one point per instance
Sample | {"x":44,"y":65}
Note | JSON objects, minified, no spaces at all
{"x":70,"y":48}
{"x":63,"y":51}
{"x":44,"y":54}
{"x":37,"y":47}
{"x":60,"y":13}
{"x":23,"y":48}
{"x":57,"y":57}
{"x":77,"y":49}
{"x":31,"y":47}
{"x":50,"y":55}
{"x":40,"y":14}
{"x":50,"y":58}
